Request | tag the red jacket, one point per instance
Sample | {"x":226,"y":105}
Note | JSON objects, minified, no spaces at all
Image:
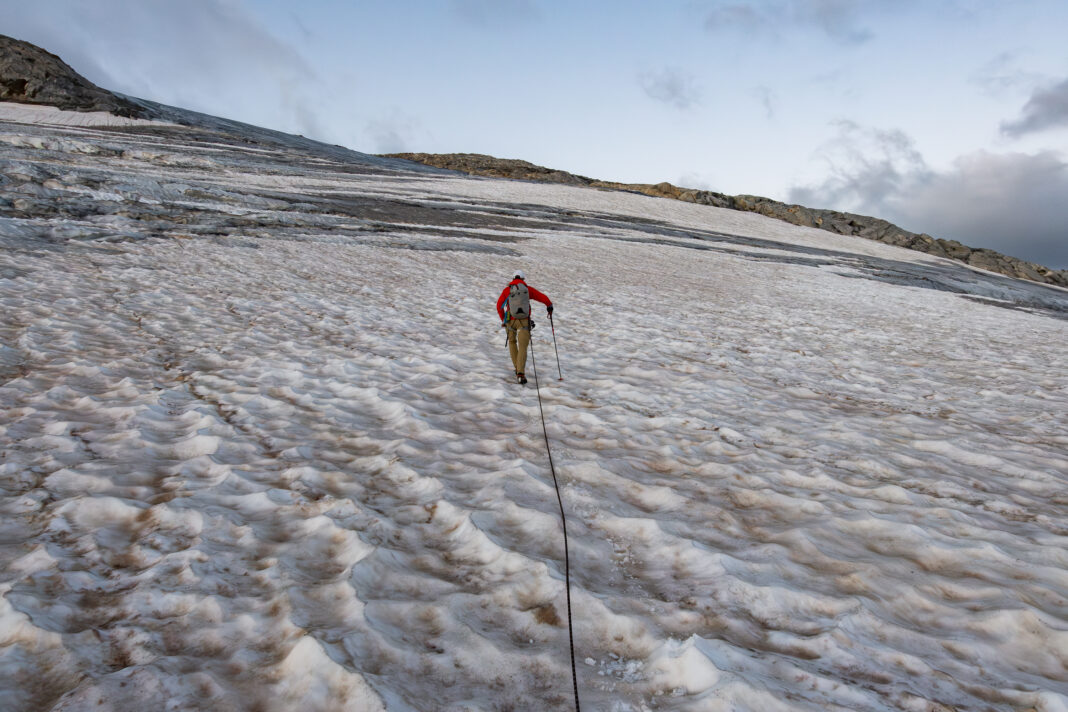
{"x":534,"y":294}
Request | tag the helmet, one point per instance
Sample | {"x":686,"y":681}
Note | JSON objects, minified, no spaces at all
{"x":519,"y":274}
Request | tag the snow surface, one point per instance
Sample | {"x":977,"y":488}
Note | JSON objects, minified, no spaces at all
{"x":42,"y":114}
{"x":260,"y":449}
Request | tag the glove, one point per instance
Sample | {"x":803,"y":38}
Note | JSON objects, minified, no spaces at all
{"x":549,"y":309}
{"x":532,"y":325}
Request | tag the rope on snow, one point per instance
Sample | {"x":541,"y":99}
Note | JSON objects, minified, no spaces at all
{"x":563,"y":520}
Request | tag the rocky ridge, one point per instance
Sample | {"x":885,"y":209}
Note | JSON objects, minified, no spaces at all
{"x":841,"y":223}
{"x":30,"y":75}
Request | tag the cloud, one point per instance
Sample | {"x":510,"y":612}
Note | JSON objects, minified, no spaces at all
{"x":1002,"y":75}
{"x":1046,"y":109}
{"x":672,"y":86}
{"x":843,"y":20}
{"x":495,"y":13}
{"x":394,"y":133}
{"x":746,"y":16}
{"x":768,"y":100}
{"x":867,"y":166}
{"x":1011,"y":202}
{"x":209,"y":55}
{"x":696,"y":181}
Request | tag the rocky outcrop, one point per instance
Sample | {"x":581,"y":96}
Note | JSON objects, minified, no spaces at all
{"x":30,"y":75}
{"x":482,"y":165}
{"x":882,"y":231}
{"x":838,"y":222}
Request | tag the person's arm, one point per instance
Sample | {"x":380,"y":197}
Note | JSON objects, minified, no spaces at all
{"x":535,"y":294}
{"x":500,"y":304}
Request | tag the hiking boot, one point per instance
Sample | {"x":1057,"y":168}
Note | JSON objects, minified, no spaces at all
{"x":521,"y":377}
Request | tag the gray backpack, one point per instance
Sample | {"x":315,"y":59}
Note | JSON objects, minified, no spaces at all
{"x":519,"y":301}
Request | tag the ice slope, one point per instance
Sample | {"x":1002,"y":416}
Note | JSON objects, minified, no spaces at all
{"x":260,"y":449}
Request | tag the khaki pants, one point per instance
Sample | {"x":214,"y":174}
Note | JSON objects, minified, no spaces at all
{"x":518,"y":340}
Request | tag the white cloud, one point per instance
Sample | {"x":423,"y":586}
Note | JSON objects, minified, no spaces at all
{"x":697,"y":181}
{"x":495,"y":13}
{"x":768,"y":99}
{"x":672,"y":86}
{"x":395,"y":133}
{"x":1010,"y":202}
{"x":1003,"y":75}
{"x":867,"y":166}
{"x":843,"y":20}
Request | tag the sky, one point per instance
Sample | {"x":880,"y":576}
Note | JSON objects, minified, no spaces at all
{"x":948,"y":117}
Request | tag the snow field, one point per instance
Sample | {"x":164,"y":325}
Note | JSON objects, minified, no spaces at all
{"x":39,"y":114}
{"x":280,"y":463}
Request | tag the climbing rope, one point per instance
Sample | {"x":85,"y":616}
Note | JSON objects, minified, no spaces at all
{"x":563,"y":520}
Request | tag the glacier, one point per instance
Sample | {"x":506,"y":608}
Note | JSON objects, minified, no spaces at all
{"x":261,"y":449}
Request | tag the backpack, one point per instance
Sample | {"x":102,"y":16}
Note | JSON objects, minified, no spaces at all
{"x":519,"y":301}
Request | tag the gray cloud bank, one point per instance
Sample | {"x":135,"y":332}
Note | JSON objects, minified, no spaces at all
{"x":1046,"y":109}
{"x":1011,"y":202}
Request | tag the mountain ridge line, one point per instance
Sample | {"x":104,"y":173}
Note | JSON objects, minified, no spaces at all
{"x":841,"y":223}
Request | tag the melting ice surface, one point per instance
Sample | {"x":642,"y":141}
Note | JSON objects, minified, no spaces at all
{"x":260,"y":449}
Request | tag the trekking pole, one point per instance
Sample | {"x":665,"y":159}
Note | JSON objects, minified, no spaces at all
{"x":553,"y":327}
